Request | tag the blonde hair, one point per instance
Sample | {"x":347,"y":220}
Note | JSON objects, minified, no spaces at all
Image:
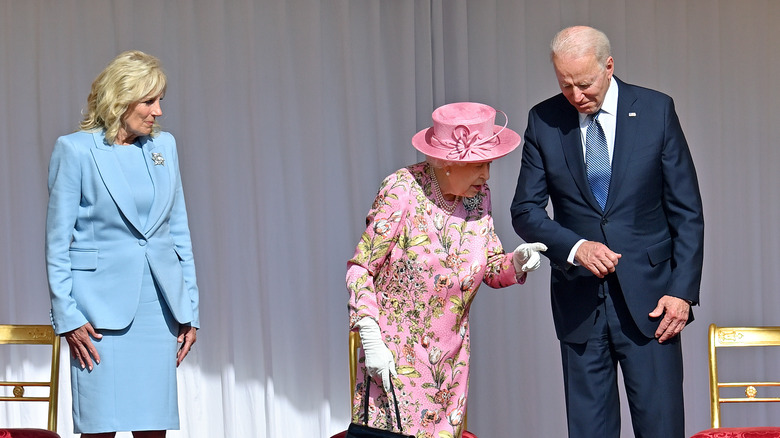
{"x":132,"y":77}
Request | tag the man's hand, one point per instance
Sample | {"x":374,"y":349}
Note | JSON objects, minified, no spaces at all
{"x":597,"y":258}
{"x":81,"y":346}
{"x":675,"y":313}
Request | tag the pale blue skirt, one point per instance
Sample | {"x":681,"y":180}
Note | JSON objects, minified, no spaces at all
{"x":134,"y":386}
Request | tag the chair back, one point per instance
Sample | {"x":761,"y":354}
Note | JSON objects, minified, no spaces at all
{"x":724,"y":337}
{"x":354,"y":346}
{"x":33,"y":335}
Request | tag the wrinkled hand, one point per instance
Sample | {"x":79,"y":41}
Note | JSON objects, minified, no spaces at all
{"x":379,"y":358}
{"x":526,"y":257}
{"x":81,"y":346}
{"x":187,"y":336}
{"x":675,"y":313}
{"x":597,"y":258}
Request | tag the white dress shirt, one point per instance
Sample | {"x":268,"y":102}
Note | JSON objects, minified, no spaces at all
{"x":608,"y":121}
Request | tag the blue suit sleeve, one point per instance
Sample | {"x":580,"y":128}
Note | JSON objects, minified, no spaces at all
{"x":62,"y":211}
{"x":180,"y":232}
{"x":684,"y":212}
{"x":529,"y":215}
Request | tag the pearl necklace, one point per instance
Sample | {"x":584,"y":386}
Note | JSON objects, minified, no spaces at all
{"x":448,"y":207}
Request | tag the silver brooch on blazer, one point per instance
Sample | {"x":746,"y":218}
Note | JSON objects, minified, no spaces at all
{"x":158,"y":159}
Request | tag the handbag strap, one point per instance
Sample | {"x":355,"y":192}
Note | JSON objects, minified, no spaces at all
{"x":395,"y":402}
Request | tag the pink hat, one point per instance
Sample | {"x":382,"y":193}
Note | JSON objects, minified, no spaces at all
{"x":466,"y":132}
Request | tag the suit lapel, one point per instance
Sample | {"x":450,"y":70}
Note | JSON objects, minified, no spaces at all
{"x":571,"y":141}
{"x":160,"y":170}
{"x":114,"y":179}
{"x":626,"y":119}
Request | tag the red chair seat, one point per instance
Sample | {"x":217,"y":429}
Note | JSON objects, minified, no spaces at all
{"x":740,"y":432}
{"x":27,"y":433}
{"x":343,"y":434}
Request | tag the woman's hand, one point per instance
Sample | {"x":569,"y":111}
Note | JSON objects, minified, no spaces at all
{"x":187,"y":337}
{"x":81,"y":346}
{"x":379,"y":358}
{"x":526,"y":257}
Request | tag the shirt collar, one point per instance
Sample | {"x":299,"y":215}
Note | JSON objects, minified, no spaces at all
{"x":609,"y":105}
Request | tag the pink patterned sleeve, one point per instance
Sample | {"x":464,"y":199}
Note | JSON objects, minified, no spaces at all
{"x":499,"y":272}
{"x":383,"y":225}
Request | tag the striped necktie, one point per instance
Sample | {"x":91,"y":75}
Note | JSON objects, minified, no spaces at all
{"x":597,"y":163}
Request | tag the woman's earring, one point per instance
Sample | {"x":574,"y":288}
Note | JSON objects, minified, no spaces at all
{"x":447,"y":173}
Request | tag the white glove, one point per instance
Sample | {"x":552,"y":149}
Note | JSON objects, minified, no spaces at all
{"x":526,"y":257}
{"x":379,"y":358}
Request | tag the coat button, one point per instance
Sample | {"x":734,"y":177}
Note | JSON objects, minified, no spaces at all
{"x":141,"y":242}
{"x":604,"y":222}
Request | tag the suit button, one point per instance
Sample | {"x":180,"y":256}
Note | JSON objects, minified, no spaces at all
{"x":604,"y":222}
{"x":141,"y":242}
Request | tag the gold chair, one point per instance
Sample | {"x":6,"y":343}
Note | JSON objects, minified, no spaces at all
{"x":33,"y":335}
{"x":354,"y":346}
{"x":722,"y":337}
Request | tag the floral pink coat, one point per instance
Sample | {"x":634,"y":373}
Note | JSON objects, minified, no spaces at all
{"x":416,"y":271}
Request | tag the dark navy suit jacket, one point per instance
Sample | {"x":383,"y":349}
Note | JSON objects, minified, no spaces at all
{"x":653,"y":215}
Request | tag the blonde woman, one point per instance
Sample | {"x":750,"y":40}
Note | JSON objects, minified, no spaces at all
{"x":119,"y":258}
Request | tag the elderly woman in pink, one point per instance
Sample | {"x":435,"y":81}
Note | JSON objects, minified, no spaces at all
{"x":428,"y":245}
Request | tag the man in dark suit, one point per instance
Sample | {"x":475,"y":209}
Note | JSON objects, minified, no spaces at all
{"x":625,"y":242}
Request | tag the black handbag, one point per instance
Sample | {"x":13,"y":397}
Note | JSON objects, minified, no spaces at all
{"x":365,"y":431}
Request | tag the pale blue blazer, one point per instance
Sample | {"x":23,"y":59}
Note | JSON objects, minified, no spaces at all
{"x":96,"y":247}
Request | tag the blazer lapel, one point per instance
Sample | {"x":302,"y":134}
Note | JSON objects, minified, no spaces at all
{"x":162,"y":178}
{"x":114,"y":179}
{"x":571,"y":141}
{"x":627,"y":119}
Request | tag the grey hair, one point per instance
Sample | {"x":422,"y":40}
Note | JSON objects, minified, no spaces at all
{"x":438,"y":163}
{"x":578,"y":41}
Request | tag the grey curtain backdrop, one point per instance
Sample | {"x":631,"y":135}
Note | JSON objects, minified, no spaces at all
{"x":289,"y":113}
